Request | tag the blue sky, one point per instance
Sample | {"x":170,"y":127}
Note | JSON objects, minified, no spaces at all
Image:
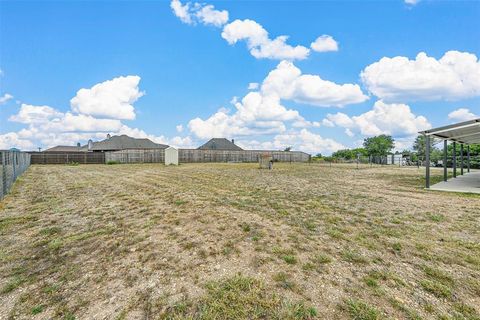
{"x":150,"y":72}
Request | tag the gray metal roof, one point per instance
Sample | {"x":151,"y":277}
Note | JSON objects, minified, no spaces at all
{"x":467,"y":132}
{"x":126,"y":142}
{"x":220,"y":144}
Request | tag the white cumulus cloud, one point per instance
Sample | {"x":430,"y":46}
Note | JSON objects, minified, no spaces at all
{"x":47,"y":126}
{"x":255,"y":115}
{"x":262,"y":112}
{"x":181,"y":11}
{"x":392,"y":119}
{"x":208,"y":15}
{"x":192,"y":13}
{"x":13,"y":140}
{"x":259,"y":43}
{"x":287,"y":81}
{"x":462,"y":114}
{"x":5,"y":98}
{"x":111,"y":99}
{"x":324,"y":43}
{"x":303,"y":140}
{"x":455,"y":76}
{"x":412,"y":2}
{"x":30,"y":114}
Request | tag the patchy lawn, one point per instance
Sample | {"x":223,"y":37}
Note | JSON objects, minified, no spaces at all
{"x":214,"y":241}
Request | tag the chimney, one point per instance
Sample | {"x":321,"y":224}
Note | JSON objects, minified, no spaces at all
{"x":108,"y":136}
{"x":233,"y":141}
{"x":78,"y":144}
{"x":90,"y":145}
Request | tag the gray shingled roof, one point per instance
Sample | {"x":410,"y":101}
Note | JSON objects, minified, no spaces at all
{"x":220,"y":144}
{"x":113,"y":143}
{"x":126,"y":142}
{"x":65,"y":149}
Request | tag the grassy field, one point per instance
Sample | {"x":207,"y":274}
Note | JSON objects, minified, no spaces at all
{"x":230,"y":241}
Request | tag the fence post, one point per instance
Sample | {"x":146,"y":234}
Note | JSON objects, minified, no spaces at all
{"x":4,"y":174}
{"x":427,"y":158}
{"x":13,"y":166}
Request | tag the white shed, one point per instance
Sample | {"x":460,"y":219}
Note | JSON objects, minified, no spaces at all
{"x":171,"y":156}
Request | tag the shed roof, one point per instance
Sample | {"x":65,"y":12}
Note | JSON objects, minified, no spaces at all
{"x":220,"y":144}
{"x":125,"y":142}
{"x":467,"y":132}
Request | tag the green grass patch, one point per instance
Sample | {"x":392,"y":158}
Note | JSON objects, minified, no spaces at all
{"x":359,"y":310}
{"x":239,"y":297}
{"x":438,"y":275}
{"x":290,"y":259}
{"x":371,"y":282}
{"x":37,"y":310}
{"x":436,"y":288}
{"x":354,"y":257}
{"x":55,"y":244}
{"x":13,"y":284}
{"x":321,"y":259}
{"x":245,"y":227}
{"x":397,"y":247}
{"x":284,"y":281}
{"x":50,"y":231}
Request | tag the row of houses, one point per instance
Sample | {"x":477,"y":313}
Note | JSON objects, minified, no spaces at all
{"x":125,"y":149}
{"x":124,"y":142}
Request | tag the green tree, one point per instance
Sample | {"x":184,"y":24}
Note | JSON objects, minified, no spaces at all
{"x":379,"y":146}
{"x":349,"y":154}
{"x":419,"y":146}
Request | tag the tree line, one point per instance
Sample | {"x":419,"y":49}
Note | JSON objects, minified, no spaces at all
{"x":384,"y":145}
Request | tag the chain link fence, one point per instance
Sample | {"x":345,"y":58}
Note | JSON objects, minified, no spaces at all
{"x":12,"y":165}
{"x":399,"y":161}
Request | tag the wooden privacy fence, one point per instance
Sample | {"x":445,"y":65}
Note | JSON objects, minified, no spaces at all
{"x":67,"y":157}
{"x":12,"y":165}
{"x":158,"y":156}
{"x":136,"y":156}
{"x":197,"y":155}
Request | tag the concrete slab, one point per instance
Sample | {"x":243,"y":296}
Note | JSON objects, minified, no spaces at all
{"x":469,"y":182}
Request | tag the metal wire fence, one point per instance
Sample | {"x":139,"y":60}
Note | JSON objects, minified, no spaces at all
{"x":12,"y":165}
{"x":372,"y":161}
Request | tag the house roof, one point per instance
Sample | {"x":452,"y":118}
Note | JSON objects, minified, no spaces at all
{"x":113,"y":143}
{"x":65,"y":149}
{"x":467,"y":132}
{"x":125,"y":142}
{"x":220,"y":144}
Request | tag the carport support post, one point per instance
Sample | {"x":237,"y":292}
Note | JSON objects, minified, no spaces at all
{"x":461,"y":159}
{"x":427,"y":160}
{"x":454,"y":159}
{"x":468,"y":158}
{"x":445,"y":175}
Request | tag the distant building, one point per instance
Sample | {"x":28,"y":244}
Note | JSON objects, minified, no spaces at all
{"x":61,"y":149}
{"x":114,"y":143}
{"x":220,"y":144}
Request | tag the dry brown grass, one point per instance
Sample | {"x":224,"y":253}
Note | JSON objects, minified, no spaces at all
{"x":201,"y":241}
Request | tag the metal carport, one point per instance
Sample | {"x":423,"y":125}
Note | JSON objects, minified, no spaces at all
{"x":463,"y":133}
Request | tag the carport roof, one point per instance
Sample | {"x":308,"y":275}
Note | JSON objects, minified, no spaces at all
{"x":467,"y":132}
